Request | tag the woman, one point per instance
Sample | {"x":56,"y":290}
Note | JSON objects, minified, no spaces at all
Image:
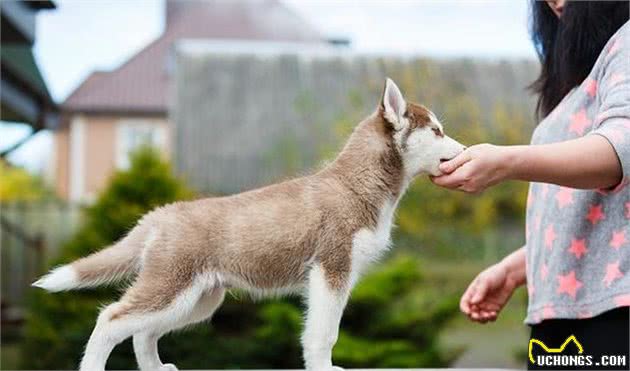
{"x":576,"y":261}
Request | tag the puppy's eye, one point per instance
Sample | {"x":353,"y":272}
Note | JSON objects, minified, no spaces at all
{"x":437,"y":132}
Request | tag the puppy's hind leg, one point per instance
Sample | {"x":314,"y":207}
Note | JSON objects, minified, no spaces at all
{"x":145,"y":344}
{"x":142,"y":307}
{"x":325,"y":308}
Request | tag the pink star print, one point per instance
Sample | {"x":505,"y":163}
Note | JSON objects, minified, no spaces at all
{"x":612,"y":273}
{"x":578,"y":248}
{"x":618,"y":239}
{"x":550,"y":236}
{"x":590,"y":87}
{"x":579,"y":122}
{"x":622,"y":300}
{"x":564,"y":197}
{"x":627,"y":210}
{"x":544,"y":271}
{"x":548,"y":312}
{"x":595,"y":214}
{"x":568,"y":284}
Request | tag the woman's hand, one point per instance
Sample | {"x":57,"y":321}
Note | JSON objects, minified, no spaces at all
{"x":475,"y":169}
{"x":487,"y":294}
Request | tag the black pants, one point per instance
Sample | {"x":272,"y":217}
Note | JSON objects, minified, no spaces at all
{"x":605,"y":340}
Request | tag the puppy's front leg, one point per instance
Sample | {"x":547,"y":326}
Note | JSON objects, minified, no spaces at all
{"x":325,"y":307}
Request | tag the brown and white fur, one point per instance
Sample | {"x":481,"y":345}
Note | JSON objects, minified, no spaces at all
{"x":314,"y":235}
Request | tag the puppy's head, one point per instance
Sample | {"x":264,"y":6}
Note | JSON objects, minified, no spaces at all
{"x":417,"y":134}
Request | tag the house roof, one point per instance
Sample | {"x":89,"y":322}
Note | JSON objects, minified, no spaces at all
{"x":141,"y":84}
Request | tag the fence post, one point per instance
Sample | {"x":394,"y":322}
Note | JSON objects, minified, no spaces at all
{"x":39,"y":244}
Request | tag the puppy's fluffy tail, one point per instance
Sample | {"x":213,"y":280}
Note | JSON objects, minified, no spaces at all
{"x":109,"y":265}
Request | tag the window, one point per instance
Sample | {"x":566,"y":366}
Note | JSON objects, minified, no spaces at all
{"x":133,"y":134}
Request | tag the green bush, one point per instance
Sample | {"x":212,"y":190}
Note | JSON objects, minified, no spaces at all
{"x":17,"y":184}
{"x":391,"y":321}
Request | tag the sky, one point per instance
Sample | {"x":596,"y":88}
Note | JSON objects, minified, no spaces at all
{"x":81,"y":36}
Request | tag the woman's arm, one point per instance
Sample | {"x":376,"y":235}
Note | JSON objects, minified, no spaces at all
{"x":588,"y":162}
{"x":515,"y":265}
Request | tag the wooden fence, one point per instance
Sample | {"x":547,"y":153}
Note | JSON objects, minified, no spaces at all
{"x":31,"y":233}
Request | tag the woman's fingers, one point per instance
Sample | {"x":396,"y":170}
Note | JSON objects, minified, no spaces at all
{"x":460,"y":178}
{"x":464,"y":303}
{"x":480,"y":292}
{"x":452,"y":181}
{"x":450,"y":166}
{"x":482,"y":316}
{"x":464,"y":306}
{"x":475,"y":304}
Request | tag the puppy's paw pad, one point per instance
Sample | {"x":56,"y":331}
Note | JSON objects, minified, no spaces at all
{"x":168,"y":367}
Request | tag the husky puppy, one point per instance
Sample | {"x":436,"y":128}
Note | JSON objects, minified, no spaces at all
{"x":313,"y":235}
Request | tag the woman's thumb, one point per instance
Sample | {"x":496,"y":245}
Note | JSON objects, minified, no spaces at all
{"x":480,"y":293}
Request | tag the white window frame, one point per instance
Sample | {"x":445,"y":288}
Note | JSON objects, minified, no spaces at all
{"x":77,"y":159}
{"x":126,"y":129}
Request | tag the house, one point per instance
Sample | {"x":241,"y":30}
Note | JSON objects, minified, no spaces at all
{"x":112,"y":112}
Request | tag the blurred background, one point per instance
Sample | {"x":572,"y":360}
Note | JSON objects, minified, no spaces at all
{"x":110,"y":108}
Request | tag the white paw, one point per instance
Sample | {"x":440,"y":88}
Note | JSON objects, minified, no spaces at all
{"x":168,"y":367}
{"x":337,"y":368}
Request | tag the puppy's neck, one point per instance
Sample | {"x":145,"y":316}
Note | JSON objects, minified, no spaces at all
{"x":369,"y":164}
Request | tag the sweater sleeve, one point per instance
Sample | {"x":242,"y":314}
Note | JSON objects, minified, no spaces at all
{"x":613,"y":94}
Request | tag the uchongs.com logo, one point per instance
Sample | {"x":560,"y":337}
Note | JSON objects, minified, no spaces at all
{"x":553,"y":357}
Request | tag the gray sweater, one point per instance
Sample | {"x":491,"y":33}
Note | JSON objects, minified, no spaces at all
{"x":578,"y":241}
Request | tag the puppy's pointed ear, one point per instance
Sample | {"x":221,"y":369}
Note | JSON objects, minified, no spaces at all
{"x":393,"y":105}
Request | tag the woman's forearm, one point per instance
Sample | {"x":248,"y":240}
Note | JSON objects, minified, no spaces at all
{"x":515,"y":266}
{"x":587,"y":163}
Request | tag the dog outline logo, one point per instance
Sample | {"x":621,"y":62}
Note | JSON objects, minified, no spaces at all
{"x":560,"y":349}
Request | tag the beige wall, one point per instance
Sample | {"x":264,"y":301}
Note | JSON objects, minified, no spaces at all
{"x":97,"y":140}
{"x":100,"y":150}
{"x":62,"y":162}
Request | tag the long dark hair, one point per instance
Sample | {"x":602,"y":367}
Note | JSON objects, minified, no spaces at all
{"x":569,"y":46}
